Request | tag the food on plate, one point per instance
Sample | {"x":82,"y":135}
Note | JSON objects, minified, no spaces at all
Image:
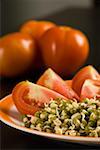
{"x":64,"y":49}
{"x":17,"y":52}
{"x":68,"y":83}
{"x":88,"y":72}
{"x":36,"y":28}
{"x":50,"y":105}
{"x":90,"y":88}
{"x":67,"y":118}
{"x":29,"y":97}
{"x":54,"y":82}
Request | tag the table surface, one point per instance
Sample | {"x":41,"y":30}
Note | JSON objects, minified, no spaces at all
{"x":89,"y":22}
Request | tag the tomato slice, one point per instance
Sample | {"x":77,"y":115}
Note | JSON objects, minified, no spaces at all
{"x":68,"y":83}
{"x":29,"y":97}
{"x":87,"y":72}
{"x":54,"y":82}
{"x":90,"y":89}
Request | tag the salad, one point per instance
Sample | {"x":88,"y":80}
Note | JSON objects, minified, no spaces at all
{"x":53,"y":105}
{"x":67,"y":117}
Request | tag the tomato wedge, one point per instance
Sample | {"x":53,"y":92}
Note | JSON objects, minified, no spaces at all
{"x":54,"y":82}
{"x":87,"y":72}
{"x":29,"y":97}
{"x":90,"y":89}
{"x":68,"y":83}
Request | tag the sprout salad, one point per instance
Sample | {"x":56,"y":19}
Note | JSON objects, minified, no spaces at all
{"x":67,"y":117}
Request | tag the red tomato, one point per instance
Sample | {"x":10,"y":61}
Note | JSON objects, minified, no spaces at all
{"x":90,"y":89}
{"x":54,"y":82}
{"x":64,"y":49}
{"x":29,"y":97}
{"x":87,"y":72}
{"x":68,"y":83}
{"x":17,"y":52}
{"x":65,"y":28}
{"x":29,"y":27}
{"x":36,"y":28}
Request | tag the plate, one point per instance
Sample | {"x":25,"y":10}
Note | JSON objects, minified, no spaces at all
{"x":10,"y":116}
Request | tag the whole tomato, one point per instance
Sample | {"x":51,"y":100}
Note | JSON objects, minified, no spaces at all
{"x":64,"y":49}
{"x":17,"y":52}
{"x":36,"y":28}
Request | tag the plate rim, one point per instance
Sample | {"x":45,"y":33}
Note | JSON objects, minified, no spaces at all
{"x":78,"y":139}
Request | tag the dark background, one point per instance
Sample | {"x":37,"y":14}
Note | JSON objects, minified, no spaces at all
{"x":80,"y":14}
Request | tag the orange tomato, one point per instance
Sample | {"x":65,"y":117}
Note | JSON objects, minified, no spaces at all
{"x":90,"y":89}
{"x":29,"y":27}
{"x":87,"y":72}
{"x":29,"y":97}
{"x":54,"y":82}
{"x":68,"y":83}
{"x":17,"y":52}
{"x":66,"y":28}
{"x":64,"y":49}
{"x":36,"y":28}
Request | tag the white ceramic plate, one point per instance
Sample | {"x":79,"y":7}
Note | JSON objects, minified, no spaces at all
{"x":10,"y":116}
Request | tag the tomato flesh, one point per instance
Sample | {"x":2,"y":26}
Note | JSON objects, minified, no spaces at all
{"x":54,"y":82}
{"x":87,"y":72}
{"x":90,"y":89}
{"x":68,"y":83}
{"x":29,"y":97}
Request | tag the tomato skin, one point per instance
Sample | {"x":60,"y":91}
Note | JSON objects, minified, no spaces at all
{"x":76,"y":43}
{"x":17,"y":51}
{"x":65,"y":28}
{"x":54,"y":82}
{"x":64,"y":49}
{"x":87,"y":72}
{"x":29,"y":97}
{"x":52,"y":43}
{"x":36,"y":28}
{"x":90,"y":89}
{"x":18,"y":95}
{"x":68,"y":83}
{"x":28,"y":27}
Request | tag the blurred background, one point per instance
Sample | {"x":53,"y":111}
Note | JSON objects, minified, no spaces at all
{"x":80,"y":14}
